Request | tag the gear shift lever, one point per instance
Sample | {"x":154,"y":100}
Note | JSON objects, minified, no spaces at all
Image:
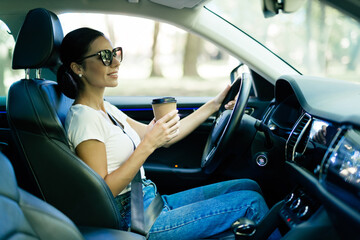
{"x":243,"y":228}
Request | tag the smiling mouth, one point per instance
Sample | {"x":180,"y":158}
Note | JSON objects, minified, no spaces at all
{"x":113,"y":74}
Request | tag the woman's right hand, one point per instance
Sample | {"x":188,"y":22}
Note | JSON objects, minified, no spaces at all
{"x":162,"y":131}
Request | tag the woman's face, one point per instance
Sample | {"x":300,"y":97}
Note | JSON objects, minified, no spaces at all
{"x":95,"y":73}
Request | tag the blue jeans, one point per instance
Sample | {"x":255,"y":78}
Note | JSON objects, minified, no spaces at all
{"x":201,"y":212}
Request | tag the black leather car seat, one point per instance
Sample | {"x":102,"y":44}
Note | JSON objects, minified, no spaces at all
{"x":24,"y":216}
{"x":36,"y":112}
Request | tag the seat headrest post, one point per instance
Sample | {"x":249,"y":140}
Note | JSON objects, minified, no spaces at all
{"x":38,"y":73}
{"x":27,"y":73}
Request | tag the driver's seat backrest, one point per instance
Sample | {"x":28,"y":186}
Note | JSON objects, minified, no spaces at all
{"x":36,"y":112}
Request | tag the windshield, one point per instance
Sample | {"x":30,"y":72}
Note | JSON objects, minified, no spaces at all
{"x":316,"y":40}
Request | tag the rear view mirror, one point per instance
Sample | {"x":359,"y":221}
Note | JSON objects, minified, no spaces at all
{"x":272,"y":7}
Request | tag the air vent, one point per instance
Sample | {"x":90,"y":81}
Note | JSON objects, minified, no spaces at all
{"x":294,"y":140}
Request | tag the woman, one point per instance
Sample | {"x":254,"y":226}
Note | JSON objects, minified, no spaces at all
{"x":90,"y":64}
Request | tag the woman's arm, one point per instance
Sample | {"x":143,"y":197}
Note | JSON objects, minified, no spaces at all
{"x":139,"y":127}
{"x":191,"y":122}
{"x":194,"y":120}
{"x":93,"y":153}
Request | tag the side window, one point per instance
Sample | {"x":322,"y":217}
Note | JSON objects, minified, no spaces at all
{"x":7,"y":74}
{"x":159,"y":59}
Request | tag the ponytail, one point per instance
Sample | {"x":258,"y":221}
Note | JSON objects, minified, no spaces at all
{"x":66,"y":82}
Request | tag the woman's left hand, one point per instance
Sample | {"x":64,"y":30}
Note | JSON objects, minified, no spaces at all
{"x":221,"y":96}
{"x":230,"y":105}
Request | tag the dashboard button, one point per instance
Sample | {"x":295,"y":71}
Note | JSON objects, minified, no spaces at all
{"x":303,"y":212}
{"x":261,"y":160}
{"x":295,"y":204}
{"x":290,"y":197}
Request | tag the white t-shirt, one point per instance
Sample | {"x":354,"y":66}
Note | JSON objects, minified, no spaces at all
{"x":84,"y":123}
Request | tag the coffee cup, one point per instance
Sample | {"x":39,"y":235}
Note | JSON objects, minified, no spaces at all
{"x":162,"y":106}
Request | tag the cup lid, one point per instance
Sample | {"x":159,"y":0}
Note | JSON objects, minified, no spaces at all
{"x":164,"y":100}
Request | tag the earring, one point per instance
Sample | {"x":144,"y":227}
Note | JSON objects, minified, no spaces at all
{"x":80,"y":75}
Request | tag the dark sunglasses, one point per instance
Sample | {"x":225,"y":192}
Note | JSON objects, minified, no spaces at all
{"x":107,"y":56}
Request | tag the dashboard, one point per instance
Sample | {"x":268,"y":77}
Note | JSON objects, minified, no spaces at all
{"x":319,"y":119}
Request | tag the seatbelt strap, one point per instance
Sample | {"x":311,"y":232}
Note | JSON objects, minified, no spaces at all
{"x":137,"y":206}
{"x":153,"y":212}
{"x":141,"y":221}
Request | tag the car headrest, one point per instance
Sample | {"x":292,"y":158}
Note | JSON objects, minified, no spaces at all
{"x":39,"y":40}
{"x":8,"y":184}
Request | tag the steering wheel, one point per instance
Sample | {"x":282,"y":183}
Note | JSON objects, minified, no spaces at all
{"x":227,"y":121}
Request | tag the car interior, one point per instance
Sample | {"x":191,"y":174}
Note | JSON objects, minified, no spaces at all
{"x":271,"y":136}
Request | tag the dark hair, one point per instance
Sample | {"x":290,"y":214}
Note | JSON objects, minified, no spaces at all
{"x":73,"y":47}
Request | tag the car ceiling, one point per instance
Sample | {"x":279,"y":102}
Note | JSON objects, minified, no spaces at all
{"x":179,"y":4}
{"x":349,"y":7}
{"x":163,"y":10}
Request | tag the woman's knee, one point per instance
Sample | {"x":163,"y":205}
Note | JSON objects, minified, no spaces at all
{"x":244,"y":184}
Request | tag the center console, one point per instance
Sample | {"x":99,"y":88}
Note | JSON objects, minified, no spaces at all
{"x":298,"y":207}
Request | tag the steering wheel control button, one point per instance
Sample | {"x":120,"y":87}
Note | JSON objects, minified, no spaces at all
{"x":261,"y":160}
